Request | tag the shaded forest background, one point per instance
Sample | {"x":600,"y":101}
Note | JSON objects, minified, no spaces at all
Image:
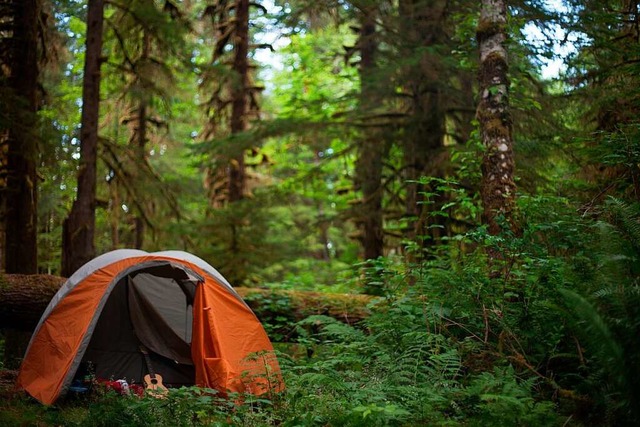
{"x":380,"y":147}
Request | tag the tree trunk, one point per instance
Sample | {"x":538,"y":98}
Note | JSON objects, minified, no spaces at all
{"x":372,"y":146}
{"x":22,"y":156}
{"x":141,"y":135}
{"x":114,"y":214}
{"x":237,"y":173}
{"x":23,"y":299}
{"x":498,"y":188}
{"x":79,"y":227}
{"x":20,"y":194}
{"x":424,"y":32}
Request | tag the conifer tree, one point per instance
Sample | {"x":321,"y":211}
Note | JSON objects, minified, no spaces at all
{"x":19,"y":79}
{"x":604,"y":74}
{"x":78,"y":245}
{"x":231,"y":103}
{"x":232,"y":98}
{"x":145,"y":40}
{"x":372,"y":146}
{"x":422,"y":23}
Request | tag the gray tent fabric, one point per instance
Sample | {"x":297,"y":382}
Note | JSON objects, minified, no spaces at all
{"x":160,"y":315}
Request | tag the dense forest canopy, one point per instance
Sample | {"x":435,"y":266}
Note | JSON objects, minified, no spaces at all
{"x":481,"y":156}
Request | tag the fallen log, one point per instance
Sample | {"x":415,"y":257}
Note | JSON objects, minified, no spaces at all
{"x":23,"y":299}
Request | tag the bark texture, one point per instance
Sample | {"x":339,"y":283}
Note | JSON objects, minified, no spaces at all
{"x":372,"y":145}
{"x":79,"y":227}
{"x":498,"y":187}
{"x":237,"y":172}
{"x":22,"y":141}
{"x":24,"y":297}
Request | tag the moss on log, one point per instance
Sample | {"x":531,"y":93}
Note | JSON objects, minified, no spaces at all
{"x":23,"y":299}
{"x":297,"y":305}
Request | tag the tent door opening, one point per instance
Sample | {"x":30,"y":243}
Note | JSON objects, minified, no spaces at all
{"x":149,"y":307}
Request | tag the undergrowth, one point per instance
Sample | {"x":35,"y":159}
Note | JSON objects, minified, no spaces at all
{"x":546,"y":334}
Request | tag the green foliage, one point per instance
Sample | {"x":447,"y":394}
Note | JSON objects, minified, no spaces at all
{"x":538,"y":327}
{"x":182,"y":407}
{"x":606,"y":315}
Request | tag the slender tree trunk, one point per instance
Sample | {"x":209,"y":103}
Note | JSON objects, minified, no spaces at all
{"x":22,"y":155}
{"x":372,"y":145}
{"x":237,"y":172}
{"x":79,"y":227}
{"x":498,"y":188}
{"x":141,"y":143}
{"x":114,"y":216}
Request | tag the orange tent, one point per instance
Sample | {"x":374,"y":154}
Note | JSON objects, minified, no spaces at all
{"x":195,"y":329}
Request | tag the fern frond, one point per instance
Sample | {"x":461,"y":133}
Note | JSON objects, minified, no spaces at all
{"x":598,"y":333}
{"x":627,"y":218}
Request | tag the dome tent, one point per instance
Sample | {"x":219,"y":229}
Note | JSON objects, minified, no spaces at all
{"x":197,"y":329}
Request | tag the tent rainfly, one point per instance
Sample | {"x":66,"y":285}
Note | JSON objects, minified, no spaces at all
{"x":195,"y":329}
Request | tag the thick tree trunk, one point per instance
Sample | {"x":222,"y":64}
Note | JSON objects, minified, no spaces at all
{"x":372,"y":145}
{"x":20,"y":194}
{"x":23,"y":299}
{"x":79,"y":227}
{"x":237,"y":172}
{"x":498,"y":188}
{"x":22,"y":156}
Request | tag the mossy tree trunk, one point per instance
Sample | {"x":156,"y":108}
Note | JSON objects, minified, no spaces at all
{"x":498,"y":188}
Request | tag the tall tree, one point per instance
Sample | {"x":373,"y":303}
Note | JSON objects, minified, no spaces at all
{"x":498,"y":188}
{"x":79,"y":227}
{"x":425,"y":78}
{"x":239,"y":110}
{"x":232,"y":97}
{"x":231,"y":103}
{"x":146,"y":40}
{"x":605,"y":73}
{"x":20,"y":62}
{"x":372,"y":146}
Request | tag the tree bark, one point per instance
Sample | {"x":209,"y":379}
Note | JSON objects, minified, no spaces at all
{"x":23,"y":299}
{"x":79,"y":227}
{"x":372,"y":146}
{"x":22,"y":142}
{"x":141,"y":135}
{"x":498,"y":187}
{"x":237,"y":172}
{"x":423,"y":27}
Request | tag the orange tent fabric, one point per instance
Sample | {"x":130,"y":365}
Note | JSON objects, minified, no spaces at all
{"x":229,"y":347}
